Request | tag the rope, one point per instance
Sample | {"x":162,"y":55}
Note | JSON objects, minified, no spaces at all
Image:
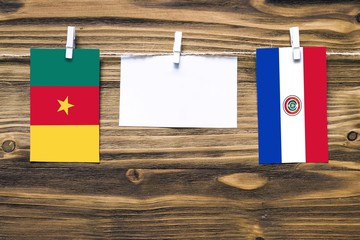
{"x":121,"y":54}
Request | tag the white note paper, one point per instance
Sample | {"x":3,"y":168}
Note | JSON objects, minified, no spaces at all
{"x":200,"y":92}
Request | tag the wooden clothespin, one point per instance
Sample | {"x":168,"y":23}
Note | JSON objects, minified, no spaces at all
{"x":70,"y":42}
{"x":177,"y":47}
{"x":295,"y":42}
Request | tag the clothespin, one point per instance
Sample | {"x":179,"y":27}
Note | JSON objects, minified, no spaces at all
{"x":295,"y":42}
{"x":177,"y":47}
{"x":70,"y":42}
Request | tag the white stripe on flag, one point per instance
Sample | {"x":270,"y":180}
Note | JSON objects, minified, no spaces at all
{"x":292,"y":127}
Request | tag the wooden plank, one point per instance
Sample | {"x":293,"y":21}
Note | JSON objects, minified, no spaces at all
{"x":103,"y":200}
{"x":179,"y":183}
{"x":149,"y":25}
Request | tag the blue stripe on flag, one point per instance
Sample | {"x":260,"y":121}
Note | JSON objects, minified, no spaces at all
{"x":268,"y":95}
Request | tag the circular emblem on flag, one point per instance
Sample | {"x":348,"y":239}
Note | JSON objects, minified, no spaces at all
{"x":292,"y":105}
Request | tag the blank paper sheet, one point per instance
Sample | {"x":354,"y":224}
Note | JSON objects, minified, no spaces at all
{"x":200,"y":92}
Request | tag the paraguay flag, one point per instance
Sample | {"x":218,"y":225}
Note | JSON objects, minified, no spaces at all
{"x":291,"y":94}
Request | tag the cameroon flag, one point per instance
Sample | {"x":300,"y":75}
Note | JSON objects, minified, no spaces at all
{"x":64,"y":105}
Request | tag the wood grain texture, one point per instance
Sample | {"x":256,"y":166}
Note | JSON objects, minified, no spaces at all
{"x":166,"y":183}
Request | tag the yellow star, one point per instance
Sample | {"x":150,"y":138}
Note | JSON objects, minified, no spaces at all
{"x":65,"y":105}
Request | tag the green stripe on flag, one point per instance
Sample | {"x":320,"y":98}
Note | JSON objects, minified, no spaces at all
{"x":49,"y":67}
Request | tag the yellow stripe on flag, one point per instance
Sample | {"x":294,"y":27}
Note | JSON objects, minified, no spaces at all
{"x":64,"y":143}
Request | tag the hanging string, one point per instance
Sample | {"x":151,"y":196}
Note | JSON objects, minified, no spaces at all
{"x":122,"y":54}
{"x":182,"y":53}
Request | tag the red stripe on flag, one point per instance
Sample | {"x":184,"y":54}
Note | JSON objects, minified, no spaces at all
{"x":316,"y":139}
{"x":45,"y":108}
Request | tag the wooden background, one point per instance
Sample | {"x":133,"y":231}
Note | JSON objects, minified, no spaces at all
{"x":180,"y":183}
